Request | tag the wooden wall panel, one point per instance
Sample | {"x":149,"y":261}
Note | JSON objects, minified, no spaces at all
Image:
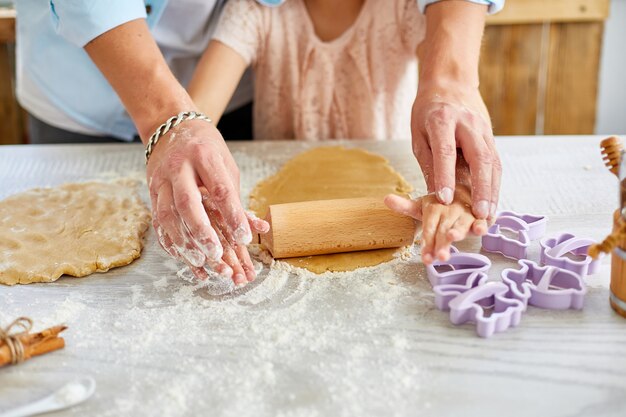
{"x":572,"y":78}
{"x":509,"y":76}
{"x":7,"y":25}
{"x":538,"y":11}
{"x":12,"y":127}
{"x":11,"y":115}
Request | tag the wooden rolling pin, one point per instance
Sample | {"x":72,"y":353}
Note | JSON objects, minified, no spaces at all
{"x":334,"y":226}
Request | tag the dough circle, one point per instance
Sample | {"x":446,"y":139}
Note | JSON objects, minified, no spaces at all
{"x":73,"y":229}
{"x":326,"y":173}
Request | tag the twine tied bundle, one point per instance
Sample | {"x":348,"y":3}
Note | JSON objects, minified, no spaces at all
{"x":12,"y":340}
{"x":17,"y":344}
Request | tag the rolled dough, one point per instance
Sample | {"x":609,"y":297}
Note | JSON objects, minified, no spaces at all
{"x":73,"y":229}
{"x":329,"y":173}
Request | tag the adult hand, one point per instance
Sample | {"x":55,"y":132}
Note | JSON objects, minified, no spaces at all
{"x":211,"y":230}
{"x":446,"y":118}
{"x":197,"y":212}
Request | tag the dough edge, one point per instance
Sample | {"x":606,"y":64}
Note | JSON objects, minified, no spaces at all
{"x":133,"y":244}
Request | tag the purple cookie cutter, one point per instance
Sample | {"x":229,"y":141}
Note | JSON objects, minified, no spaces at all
{"x":554,"y":251}
{"x":474,"y":304}
{"x":458,"y":267}
{"x":545,"y":286}
{"x":495,"y":241}
{"x":459,"y":284}
{"x":536,"y":225}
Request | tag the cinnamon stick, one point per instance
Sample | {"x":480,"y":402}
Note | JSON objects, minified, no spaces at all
{"x":30,"y":338}
{"x":34,"y":344}
{"x":36,"y":349}
{"x":48,"y":345}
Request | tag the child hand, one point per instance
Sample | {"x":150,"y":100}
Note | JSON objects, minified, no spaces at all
{"x":441,"y":225}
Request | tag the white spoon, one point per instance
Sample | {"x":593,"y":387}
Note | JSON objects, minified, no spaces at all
{"x":70,"y":394}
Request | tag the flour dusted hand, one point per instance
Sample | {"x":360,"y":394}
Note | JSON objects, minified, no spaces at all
{"x":197,"y":213}
{"x":448,"y":113}
{"x":444,"y":120}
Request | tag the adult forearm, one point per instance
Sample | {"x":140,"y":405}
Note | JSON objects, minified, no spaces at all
{"x":449,"y":54}
{"x":448,"y":113}
{"x":131,"y":61}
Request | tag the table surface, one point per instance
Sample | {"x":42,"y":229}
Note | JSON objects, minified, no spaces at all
{"x":369,"y":342}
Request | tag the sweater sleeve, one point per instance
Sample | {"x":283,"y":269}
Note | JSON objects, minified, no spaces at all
{"x":80,"y":21}
{"x":494,"y":5}
{"x":241,"y":27}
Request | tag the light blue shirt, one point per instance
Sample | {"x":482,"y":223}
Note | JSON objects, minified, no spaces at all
{"x":58,"y":82}
{"x":494,"y":5}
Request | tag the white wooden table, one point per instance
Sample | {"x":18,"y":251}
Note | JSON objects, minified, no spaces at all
{"x":362,"y":343}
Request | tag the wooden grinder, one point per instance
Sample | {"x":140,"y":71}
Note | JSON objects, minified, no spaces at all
{"x":615,"y":243}
{"x":618,"y":266}
{"x":334,"y":226}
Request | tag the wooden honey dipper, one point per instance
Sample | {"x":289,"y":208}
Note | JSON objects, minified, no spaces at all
{"x":334,"y":226}
{"x":615,"y":243}
{"x":612,"y":153}
{"x":611,"y":149}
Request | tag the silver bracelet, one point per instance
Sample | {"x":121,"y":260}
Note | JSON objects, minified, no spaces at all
{"x":171,"y":123}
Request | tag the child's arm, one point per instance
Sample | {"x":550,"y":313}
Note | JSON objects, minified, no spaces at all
{"x":237,"y":42}
{"x":214,"y":81}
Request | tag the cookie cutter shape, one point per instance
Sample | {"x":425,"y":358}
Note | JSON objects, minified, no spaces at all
{"x":546,"y":287}
{"x":489,"y":307}
{"x":457,"y":284}
{"x":536,"y":225}
{"x":458,"y":267}
{"x":554,"y":251}
{"x":495,"y":241}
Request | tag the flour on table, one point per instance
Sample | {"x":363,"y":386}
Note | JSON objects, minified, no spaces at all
{"x":291,"y":343}
{"x":259,"y":349}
